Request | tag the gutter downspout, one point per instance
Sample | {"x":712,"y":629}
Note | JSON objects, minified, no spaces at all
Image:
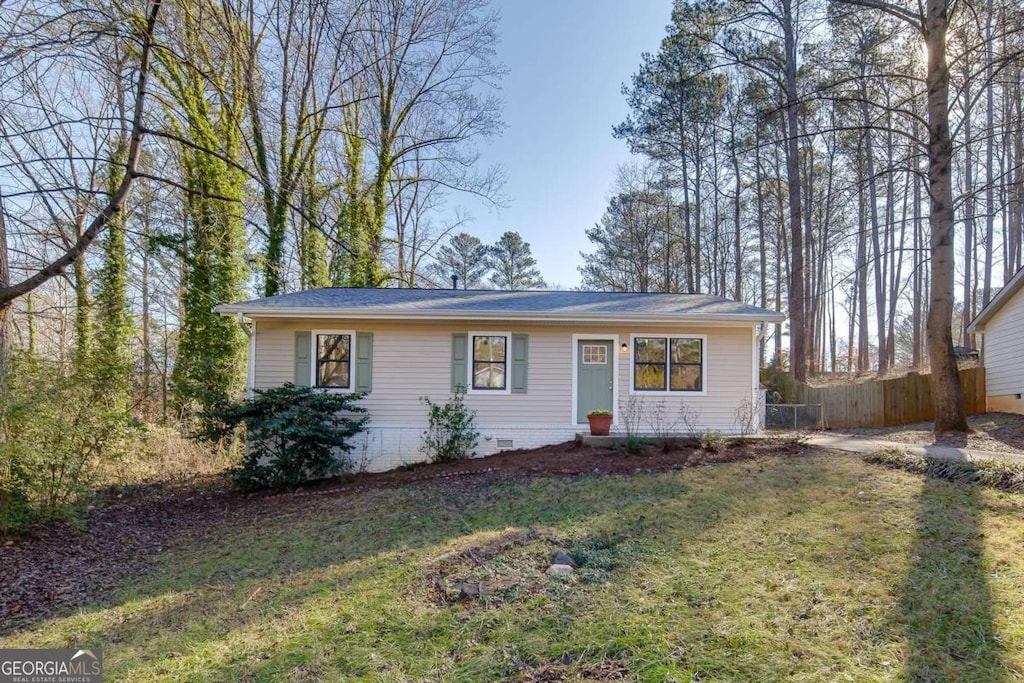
{"x":250,"y":361}
{"x":761,"y":400}
{"x":241,"y":323}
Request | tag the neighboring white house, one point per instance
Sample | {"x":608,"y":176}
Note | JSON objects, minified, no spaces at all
{"x":534,"y":363}
{"x":1001,"y":325}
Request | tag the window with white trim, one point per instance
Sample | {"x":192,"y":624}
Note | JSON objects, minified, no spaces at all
{"x":333,"y":356}
{"x":489,"y":367}
{"x":668,"y":363}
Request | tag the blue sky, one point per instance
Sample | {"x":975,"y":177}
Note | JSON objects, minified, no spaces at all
{"x":568,"y":60}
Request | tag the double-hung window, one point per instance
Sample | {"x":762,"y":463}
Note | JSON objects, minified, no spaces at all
{"x":489,"y":368}
{"x":668,"y":363}
{"x":333,"y":367}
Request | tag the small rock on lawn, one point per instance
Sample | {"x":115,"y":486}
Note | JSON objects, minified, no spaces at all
{"x":559,"y":570}
{"x":562,"y":557}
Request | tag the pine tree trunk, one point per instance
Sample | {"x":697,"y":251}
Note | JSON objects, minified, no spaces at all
{"x":917,"y":302}
{"x":863,"y":358}
{"x":737,"y":244}
{"x":990,"y":175}
{"x":762,"y":253}
{"x":697,"y":228}
{"x":876,"y":248}
{"x":797,"y":321}
{"x":947,"y":393}
{"x":810,"y":291}
{"x":1017,"y":190}
{"x":687,"y":239}
{"x":968,"y":290}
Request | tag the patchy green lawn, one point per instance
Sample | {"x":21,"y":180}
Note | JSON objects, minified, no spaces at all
{"x":818,"y":568}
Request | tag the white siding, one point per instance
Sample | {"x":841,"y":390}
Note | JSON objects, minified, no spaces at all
{"x":1004,"y":348}
{"x":414,"y":360}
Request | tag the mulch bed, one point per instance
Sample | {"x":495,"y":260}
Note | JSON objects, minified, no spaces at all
{"x":58,"y":566}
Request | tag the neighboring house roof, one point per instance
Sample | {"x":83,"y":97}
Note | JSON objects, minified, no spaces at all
{"x":965,"y":352}
{"x":998,"y":301}
{"x":452,"y":304}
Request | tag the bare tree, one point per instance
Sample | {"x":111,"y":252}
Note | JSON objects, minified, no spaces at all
{"x":45,"y":45}
{"x":431,"y":67}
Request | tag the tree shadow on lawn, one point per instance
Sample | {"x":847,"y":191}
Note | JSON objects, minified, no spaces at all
{"x":264,"y":576}
{"x":946,"y":601}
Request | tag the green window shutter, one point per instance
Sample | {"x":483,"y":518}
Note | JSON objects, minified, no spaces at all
{"x":303,"y":363}
{"x":364,"y":361}
{"x":460,"y":358}
{"x":520,"y":353}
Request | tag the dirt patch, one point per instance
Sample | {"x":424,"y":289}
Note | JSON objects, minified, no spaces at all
{"x":560,"y":672}
{"x":59,"y":566}
{"x":483,"y":569}
{"x":999,"y":432}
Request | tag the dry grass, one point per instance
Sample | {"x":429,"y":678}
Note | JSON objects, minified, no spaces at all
{"x":161,"y":454}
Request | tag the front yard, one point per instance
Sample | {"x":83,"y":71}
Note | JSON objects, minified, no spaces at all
{"x":809,"y":566}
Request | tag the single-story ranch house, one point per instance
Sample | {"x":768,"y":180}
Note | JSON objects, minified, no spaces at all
{"x":533,"y":363}
{"x":1001,"y":325}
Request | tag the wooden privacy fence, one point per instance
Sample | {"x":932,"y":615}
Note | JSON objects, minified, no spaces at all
{"x":888,"y":402}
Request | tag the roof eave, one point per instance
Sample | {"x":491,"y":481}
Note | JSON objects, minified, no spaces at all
{"x":977,"y":326}
{"x":358,"y":314}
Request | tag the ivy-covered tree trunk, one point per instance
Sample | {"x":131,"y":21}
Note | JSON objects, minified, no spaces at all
{"x":83,"y":323}
{"x":6,"y":344}
{"x":112,"y":365}
{"x":367,"y":261}
{"x":210,"y":365}
{"x":312,"y":244}
{"x":351,"y":234}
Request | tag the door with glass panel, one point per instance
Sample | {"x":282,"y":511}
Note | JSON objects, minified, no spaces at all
{"x":594,"y":382}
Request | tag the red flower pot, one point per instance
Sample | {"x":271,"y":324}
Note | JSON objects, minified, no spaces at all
{"x":600,"y":425}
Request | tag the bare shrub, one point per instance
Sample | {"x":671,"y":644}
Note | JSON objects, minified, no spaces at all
{"x":665,"y":423}
{"x":690,"y":420}
{"x":632,"y":416}
{"x":745,"y":417}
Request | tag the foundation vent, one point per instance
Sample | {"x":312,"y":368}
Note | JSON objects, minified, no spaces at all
{"x":504,"y":443}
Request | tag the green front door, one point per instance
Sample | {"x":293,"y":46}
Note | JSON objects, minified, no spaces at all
{"x":593,"y":377}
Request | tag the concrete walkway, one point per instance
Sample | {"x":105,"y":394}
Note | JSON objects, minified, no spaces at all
{"x":858,"y":444}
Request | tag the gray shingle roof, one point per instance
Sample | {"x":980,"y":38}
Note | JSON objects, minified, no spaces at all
{"x":464,"y":304}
